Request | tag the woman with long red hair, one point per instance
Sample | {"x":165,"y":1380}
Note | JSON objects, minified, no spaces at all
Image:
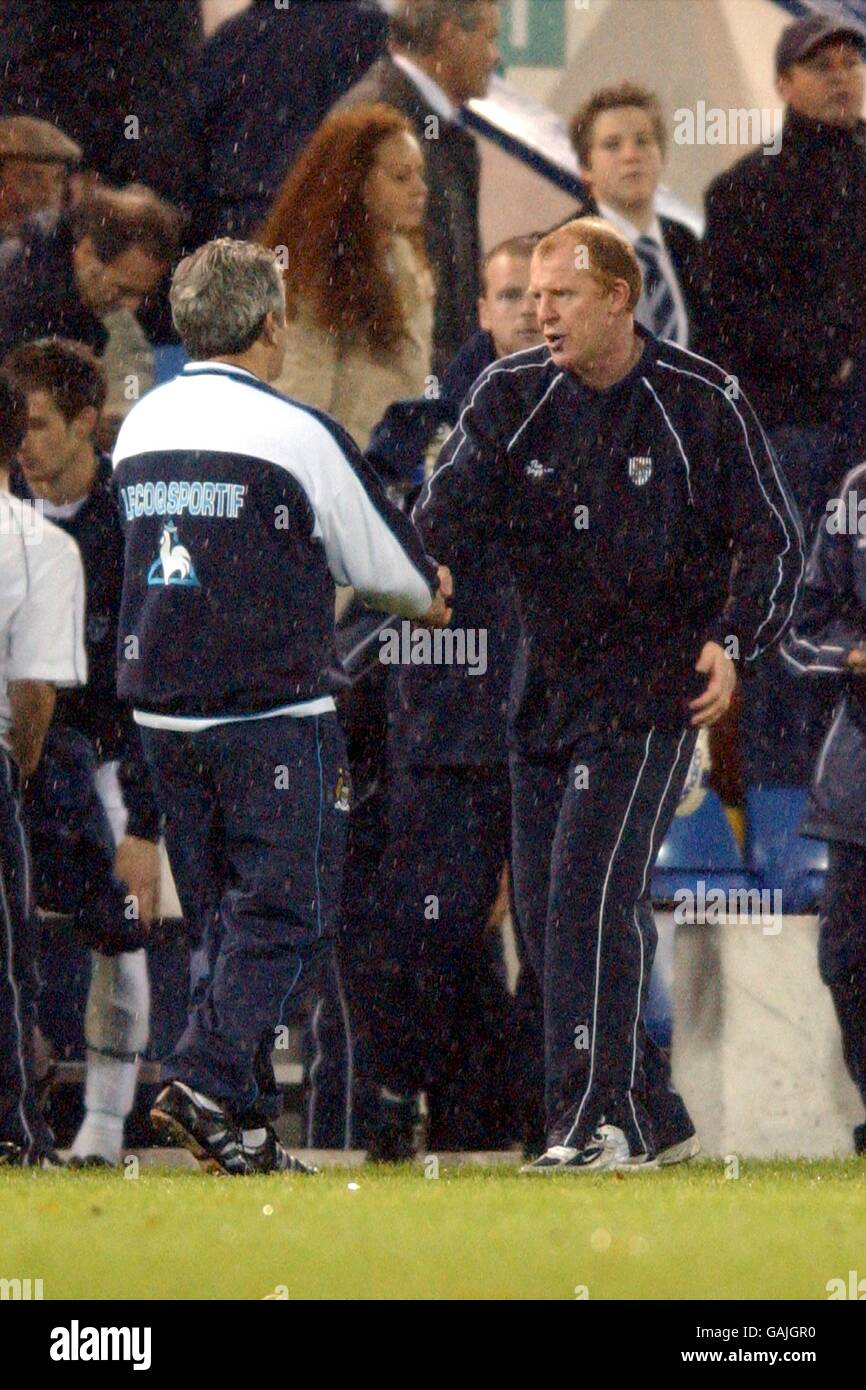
{"x":358,"y":287}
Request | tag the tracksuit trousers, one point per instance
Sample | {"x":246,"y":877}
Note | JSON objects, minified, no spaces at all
{"x":842,"y":951}
{"x":255,"y":817}
{"x":587,"y":826}
{"x":21,"y":1120}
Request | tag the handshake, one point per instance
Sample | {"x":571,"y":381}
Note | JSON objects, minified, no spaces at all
{"x":440,"y":612}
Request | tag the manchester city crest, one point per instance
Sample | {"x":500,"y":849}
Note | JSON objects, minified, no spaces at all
{"x":640,"y":469}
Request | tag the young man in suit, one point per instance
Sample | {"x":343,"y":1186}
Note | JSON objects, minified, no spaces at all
{"x":619,"y":137}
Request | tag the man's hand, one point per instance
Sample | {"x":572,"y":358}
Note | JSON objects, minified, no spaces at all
{"x":709,"y":707}
{"x":439,"y":614}
{"x":31,"y":705}
{"x":137,"y":865}
{"x":856,"y":661}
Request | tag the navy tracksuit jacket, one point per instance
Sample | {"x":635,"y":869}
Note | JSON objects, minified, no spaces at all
{"x":829,"y":623}
{"x":621,"y":513}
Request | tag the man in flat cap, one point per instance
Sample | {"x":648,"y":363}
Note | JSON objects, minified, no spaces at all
{"x":35,"y":159}
{"x":785,"y":269}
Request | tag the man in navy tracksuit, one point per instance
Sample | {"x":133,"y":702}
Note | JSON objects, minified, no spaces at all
{"x":828,"y":639}
{"x":240,"y":510}
{"x":654,"y":549}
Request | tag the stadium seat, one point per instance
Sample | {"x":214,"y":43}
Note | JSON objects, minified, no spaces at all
{"x":699,"y":848}
{"x":777,"y":854}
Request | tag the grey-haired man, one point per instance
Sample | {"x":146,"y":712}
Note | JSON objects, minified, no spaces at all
{"x":241,"y":510}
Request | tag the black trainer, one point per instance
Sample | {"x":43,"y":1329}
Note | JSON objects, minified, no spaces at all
{"x":271,"y":1157}
{"x":201,"y":1125}
{"x":90,"y":1161}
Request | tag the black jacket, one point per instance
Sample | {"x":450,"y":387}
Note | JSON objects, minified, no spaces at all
{"x":785,"y":270}
{"x":87,"y":66}
{"x":264,"y":81}
{"x":446,"y":716}
{"x":94,"y":709}
{"x":831,"y":620}
{"x":38,"y":294}
{"x":451,"y":226}
{"x":638,"y":523}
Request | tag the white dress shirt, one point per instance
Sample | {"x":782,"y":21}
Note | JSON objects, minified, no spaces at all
{"x":437,"y":99}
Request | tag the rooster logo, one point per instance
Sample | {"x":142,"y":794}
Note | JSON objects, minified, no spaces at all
{"x":174,"y":564}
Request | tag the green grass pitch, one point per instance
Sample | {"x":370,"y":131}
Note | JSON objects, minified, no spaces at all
{"x":780,"y":1230}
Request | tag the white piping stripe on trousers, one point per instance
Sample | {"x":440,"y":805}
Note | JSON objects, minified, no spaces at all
{"x":646,"y":869}
{"x":571,"y":1132}
{"x":10,"y":952}
{"x":314,"y":1068}
{"x":311,"y":1109}
{"x":634,"y":1031}
{"x":350,"y":1058}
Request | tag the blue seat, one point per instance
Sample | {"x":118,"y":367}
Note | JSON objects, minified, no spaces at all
{"x":699,"y":848}
{"x":168,"y":361}
{"x":779,"y":856}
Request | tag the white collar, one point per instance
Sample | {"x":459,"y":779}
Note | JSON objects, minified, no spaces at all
{"x":209,"y":364}
{"x":628,"y":229}
{"x":437,"y":99}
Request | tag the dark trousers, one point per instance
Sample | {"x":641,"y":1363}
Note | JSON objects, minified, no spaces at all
{"x":429,"y":1010}
{"x":73,"y":848}
{"x":784,"y":717}
{"x":587,"y":826}
{"x":255,"y":834}
{"x":328,"y":1052}
{"x":20,"y":1116}
{"x":842,"y":951}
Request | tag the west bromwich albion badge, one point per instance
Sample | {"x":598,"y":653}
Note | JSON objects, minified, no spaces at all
{"x":640,"y":469}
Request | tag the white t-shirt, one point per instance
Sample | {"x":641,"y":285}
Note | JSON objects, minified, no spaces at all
{"x":41,"y":603}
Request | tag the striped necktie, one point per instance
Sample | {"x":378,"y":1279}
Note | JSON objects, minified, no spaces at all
{"x":657,"y":308}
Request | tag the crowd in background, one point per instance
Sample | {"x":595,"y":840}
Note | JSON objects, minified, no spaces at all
{"x":337,"y":138}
